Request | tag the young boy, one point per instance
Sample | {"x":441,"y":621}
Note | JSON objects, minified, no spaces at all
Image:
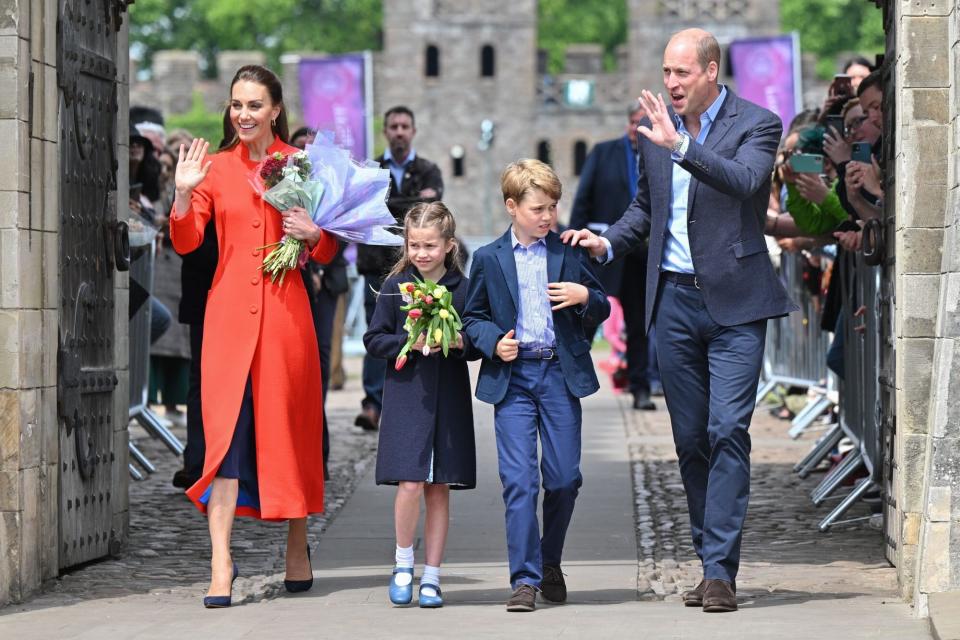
{"x":536,"y":367}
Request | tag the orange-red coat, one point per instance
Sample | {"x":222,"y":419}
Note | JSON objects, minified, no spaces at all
{"x":256,"y":328}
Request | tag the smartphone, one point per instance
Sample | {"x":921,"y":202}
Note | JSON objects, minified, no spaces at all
{"x":835,"y":123}
{"x":807,"y":162}
{"x":842,"y":85}
{"x":860,"y":152}
{"x":135,"y":190}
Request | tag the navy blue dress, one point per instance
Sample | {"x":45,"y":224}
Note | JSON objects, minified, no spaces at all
{"x":426,"y":427}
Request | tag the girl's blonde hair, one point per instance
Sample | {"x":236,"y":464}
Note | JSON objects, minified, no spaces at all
{"x":430,"y":214}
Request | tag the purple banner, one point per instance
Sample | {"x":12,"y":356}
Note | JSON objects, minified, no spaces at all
{"x":765,"y":72}
{"x":333,"y":98}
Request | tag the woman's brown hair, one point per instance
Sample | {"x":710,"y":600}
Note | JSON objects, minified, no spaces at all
{"x":266,"y":78}
{"x":430,"y":214}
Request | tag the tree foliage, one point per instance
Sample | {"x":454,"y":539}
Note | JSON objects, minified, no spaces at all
{"x":832,"y":28}
{"x":272,"y":26}
{"x":566,"y":22}
{"x":198,"y":121}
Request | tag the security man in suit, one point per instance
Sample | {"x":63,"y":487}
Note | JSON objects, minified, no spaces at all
{"x":608,"y":183}
{"x":413,"y":179}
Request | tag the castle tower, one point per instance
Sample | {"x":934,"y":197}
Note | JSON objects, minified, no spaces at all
{"x":456,"y":63}
{"x":652,"y":22}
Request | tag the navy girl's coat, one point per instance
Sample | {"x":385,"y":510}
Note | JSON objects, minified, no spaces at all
{"x":427,"y":408}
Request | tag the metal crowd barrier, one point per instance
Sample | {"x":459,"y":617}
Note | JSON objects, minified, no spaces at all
{"x":796,"y":348}
{"x":143,"y":253}
{"x":859,"y":388}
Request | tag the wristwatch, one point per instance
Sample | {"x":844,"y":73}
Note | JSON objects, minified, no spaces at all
{"x":680,"y":146}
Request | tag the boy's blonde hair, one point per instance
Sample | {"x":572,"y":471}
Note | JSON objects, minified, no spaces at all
{"x":522,"y":176}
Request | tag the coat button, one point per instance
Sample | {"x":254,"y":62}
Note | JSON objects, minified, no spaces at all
{"x":253,"y":308}
{"x":256,"y":224}
{"x":255,"y":280}
{"x":256,"y":252}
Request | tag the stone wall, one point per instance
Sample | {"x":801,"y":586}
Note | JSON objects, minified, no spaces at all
{"x":927,"y":173}
{"x":29,"y":436}
{"x":30,"y":298}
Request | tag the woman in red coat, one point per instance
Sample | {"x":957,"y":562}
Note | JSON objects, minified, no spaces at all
{"x":262,"y":413}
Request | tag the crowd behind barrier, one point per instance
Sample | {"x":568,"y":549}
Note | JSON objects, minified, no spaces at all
{"x":848,"y":404}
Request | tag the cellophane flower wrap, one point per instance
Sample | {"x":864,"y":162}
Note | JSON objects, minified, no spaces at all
{"x":430,"y":313}
{"x":354,"y":203}
{"x":283,"y":181}
{"x":342,"y":196}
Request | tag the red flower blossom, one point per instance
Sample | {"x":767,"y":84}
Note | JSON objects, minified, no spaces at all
{"x":415,"y":313}
{"x":401,"y":361}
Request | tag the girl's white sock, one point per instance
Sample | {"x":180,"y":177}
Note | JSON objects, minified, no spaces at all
{"x":431,"y":575}
{"x":404,"y":557}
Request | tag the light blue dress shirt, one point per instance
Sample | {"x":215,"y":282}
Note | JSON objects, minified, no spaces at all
{"x":534,"y":315}
{"x":676,"y":248}
{"x":398,"y":170}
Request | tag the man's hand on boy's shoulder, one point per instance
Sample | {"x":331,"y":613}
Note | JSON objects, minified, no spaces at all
{"x":567,"y":294}
{"x":586,"y":239}
{"x":508,"y":348}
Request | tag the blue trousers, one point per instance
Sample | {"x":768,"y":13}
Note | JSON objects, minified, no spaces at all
{"x":710,"y":375}
{"x":537,"y":402}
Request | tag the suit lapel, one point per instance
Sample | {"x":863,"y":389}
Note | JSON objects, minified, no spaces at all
{"x":554,"y":257}
{"x":720,"y":127}
{"x":508,"y":266}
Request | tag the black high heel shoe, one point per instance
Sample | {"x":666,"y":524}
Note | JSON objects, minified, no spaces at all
{"x":299,"y":586}
{"x":222,"y":602}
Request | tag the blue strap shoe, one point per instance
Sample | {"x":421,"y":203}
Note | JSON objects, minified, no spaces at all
{"x":222,"y":602}
{"x":430,"y":596}
{"x":401,"y":585}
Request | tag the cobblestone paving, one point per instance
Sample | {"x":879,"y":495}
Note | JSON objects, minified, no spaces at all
{"x":785,"y":557}
{"x":169,"y":548}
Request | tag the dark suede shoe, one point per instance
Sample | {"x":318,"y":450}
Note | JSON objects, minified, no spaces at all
{"x":719,"y":597}
{"x":553,"y":588}
{"x":694,"y":597}
{"x":369,"y":419}
{"x":524,"y":599}
{"x":642,"y":402}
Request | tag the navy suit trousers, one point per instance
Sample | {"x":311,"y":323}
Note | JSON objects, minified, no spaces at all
{"x":710,"y":375}
{"x":537,"y":402}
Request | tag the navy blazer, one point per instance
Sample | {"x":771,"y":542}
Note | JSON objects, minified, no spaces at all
{"x":602,"y":196}
{"x":493,"y":300}
{"x":726,"y":210}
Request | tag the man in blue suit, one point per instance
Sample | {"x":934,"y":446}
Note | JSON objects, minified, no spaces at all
{"x":608,"y":183}
{"x":527,"y":304}
{"x":705,"y":167}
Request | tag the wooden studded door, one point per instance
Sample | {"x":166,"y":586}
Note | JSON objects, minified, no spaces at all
{"x":90,"y":476}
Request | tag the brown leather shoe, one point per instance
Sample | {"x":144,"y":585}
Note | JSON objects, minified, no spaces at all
{"x":524,"y":599}
{"x":369,"y":419}
{"x":719,"y":597}
{"x":694,"y":597}
{"x":553,"y":588}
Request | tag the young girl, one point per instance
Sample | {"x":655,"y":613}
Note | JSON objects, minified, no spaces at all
{"x":426,"y":430}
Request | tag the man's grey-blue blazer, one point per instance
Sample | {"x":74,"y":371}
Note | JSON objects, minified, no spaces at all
{"x":726,"y":210}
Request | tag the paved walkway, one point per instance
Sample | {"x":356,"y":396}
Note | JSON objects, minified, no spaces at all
{"x":627,"y":558}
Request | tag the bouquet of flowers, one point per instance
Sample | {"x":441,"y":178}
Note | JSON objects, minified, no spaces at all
{"x":430,"y":312}
{"x":283,"y":181}
{"x":342,"y":196}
